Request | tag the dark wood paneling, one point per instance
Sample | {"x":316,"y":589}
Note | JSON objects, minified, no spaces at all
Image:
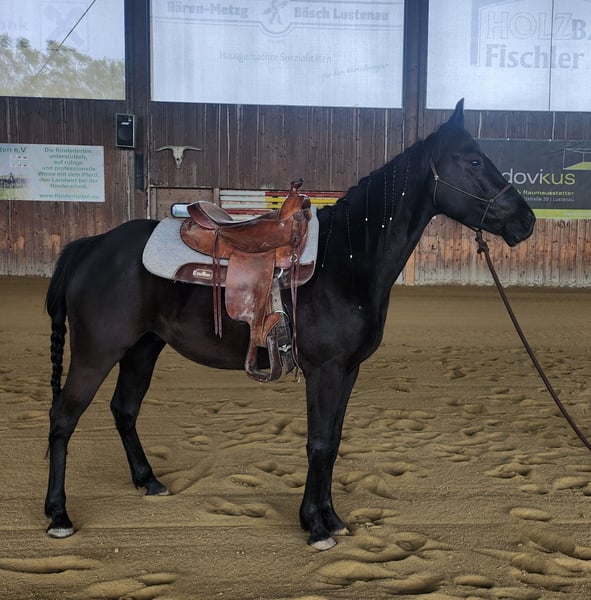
{"x":266,"y":147}
{"x":255,"y":147}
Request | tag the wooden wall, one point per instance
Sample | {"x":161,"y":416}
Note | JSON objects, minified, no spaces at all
{"x":33,"y":233}
{"x":557,"y":254}
{"x":264,"y":147}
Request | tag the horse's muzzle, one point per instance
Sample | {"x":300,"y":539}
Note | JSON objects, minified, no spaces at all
{"x":520,"y":231}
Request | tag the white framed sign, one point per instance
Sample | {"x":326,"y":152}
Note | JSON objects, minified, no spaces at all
{"x":52,"y":173}
{"x":278,"y":52}
{"x":510,"y":54}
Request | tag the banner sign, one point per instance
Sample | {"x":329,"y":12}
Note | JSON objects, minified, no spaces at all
{"x":554,"y":177}
{"x":278,"y":52}
{"x":510,"y":54}
{"x":50,"y":172}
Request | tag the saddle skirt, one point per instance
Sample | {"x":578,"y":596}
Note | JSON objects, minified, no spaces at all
{"x":166,"y":255}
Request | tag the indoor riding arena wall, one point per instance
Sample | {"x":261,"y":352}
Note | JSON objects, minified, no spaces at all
{"x":264,"y":148}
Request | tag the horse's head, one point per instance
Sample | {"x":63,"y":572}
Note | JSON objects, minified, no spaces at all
{"x":467,"y":186}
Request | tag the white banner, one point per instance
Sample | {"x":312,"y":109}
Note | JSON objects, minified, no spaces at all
{"x":510,"y":54}
{"x":282,"y":52}
{"x":50,"y":172}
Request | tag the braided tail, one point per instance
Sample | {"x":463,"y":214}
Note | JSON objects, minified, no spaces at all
{"x":58,"y":336}
{"x":56,"y":306}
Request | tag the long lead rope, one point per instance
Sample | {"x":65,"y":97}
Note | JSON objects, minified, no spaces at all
{"x":483,"y":249}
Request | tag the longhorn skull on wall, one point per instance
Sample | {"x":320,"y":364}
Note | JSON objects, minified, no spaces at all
{"x":178,"y":153}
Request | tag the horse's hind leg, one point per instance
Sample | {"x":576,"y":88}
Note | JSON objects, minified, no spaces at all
{"x":135,"y":374}
{"x":79,"y":390}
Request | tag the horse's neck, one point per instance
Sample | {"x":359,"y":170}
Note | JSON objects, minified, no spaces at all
{"x":388,"y":225}
{"x":396,"y":242}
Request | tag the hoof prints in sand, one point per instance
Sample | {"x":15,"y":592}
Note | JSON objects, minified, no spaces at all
{"x":456,"y":477}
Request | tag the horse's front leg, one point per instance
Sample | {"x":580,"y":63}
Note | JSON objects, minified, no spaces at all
{"x":328,"y":390}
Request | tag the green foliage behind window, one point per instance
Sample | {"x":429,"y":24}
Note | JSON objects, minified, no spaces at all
{"x":57,"y":72}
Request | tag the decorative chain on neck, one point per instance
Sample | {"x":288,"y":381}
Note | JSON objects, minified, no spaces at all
{"x":330,"y":230}
{"x":349,"y":233}
{"x":387,"y":219}
{"x":367,"y":215}
{"x":392,"y":204}
{"x":386,"y":196}
{"x":406,"y":177}
{"x":328,"y":235}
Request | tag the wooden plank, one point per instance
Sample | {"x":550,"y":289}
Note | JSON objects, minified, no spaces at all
{"x":517,"y":125}
{"x":539,"y":125}
{"x":492,"y":125}
{"x":316,"y":176}
{"x":585,"y":256}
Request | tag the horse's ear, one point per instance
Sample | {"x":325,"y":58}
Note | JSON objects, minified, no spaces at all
{"x":458,"y":117}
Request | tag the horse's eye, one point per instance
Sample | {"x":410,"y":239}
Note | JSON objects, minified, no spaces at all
{"x":475,"y":163}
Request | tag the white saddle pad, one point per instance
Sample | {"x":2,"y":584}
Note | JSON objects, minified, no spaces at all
{"x":165,"y":251}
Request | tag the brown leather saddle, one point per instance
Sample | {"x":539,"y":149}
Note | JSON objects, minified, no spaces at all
{"x":253,"y":260}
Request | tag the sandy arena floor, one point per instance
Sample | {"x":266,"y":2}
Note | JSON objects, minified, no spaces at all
{"x":457,"y":476}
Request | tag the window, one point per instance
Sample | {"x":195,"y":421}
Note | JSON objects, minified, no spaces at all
{"x":62,"y":48}
{"x":510,"y":54}
{"x":312,"y":53}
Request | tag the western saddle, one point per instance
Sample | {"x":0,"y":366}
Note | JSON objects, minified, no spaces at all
{"x":252,"y":259}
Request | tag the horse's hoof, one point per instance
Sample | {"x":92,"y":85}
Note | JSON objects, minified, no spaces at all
{"x":342,"y":531}
{"x":323,"y":545}
{"x":59,"y":533}
{"x":155,"y":488}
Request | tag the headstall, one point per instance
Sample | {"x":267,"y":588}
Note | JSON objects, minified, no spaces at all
{"x":488,"y":201}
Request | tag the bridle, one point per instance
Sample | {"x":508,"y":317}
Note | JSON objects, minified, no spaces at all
{"x":488,"y":201}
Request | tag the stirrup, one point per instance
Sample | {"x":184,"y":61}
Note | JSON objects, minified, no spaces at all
{"x":275,"y":367}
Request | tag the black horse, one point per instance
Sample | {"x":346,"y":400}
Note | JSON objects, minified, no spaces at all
{"x":119,"y":313}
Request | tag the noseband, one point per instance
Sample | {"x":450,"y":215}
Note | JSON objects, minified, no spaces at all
{"x":488,"y":201}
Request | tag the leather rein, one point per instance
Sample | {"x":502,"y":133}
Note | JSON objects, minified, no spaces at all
{"x":483,"y":249}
